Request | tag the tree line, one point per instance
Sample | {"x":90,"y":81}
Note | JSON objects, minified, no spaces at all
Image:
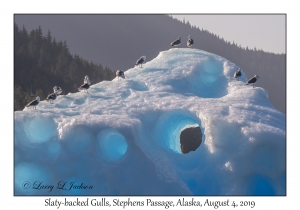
{"x":41,"y":62}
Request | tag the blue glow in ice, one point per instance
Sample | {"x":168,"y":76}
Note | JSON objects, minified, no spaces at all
{"x":207,"y":79}
{"x":28,"y":176}
{"x":170,"y":125}
{"x":259,"y":185}
{"x":40,"y":129}
{"x":112,"y":145}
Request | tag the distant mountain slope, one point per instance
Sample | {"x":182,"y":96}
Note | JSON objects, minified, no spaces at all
{"x":118,"y":41}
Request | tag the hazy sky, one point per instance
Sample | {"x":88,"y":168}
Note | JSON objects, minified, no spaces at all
{"x":266,"y":32}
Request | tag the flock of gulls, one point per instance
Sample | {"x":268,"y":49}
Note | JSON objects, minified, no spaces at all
{"x":120,"y":75}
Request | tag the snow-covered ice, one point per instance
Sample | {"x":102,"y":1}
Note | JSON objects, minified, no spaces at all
{"x":123,"y":137}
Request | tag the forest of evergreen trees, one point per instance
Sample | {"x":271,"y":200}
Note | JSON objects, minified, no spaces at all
{"x":41,"y":62}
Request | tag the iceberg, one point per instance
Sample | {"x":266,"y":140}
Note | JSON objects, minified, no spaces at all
{"x":125,"y":136}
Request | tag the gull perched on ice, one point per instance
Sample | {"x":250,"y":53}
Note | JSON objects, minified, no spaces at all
{"x":119,"y":74}
{"x":140,"y":61}
{"x":34,"y":103}
{"x":176,"y":42}
{"x":190,"y":41}
{"x":237,"y":74}
{"x":51,"y":97}
{"x":252,"y":80}
{"x":56,"y":91}
{"x":86,"y":85}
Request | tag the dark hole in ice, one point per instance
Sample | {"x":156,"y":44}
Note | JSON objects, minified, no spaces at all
{"x":190,"y":139}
